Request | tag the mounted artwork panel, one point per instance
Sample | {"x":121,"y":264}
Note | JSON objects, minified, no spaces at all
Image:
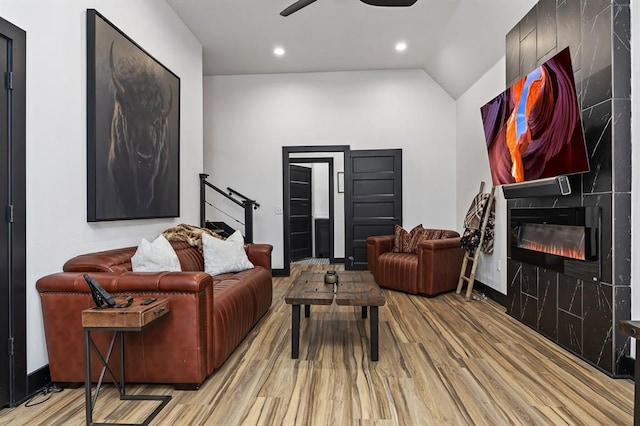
{"x":133,"y":128}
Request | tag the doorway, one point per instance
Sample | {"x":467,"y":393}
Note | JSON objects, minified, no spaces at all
{"x":322,"y":211}
{"x":334,"y":157}
{"x":13,"y":334}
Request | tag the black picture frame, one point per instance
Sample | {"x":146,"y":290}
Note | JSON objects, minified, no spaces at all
{"x":133,"y":128}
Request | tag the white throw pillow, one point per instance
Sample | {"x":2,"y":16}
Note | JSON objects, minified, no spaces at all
{"x":157,"y":256}
{"x":222,"y":256}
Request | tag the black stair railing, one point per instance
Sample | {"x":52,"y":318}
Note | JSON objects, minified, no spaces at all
{"x":243,"y":201}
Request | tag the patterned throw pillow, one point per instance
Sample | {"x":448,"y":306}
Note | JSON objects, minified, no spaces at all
{"x":406,"y":242}
{"x":432,"y":234}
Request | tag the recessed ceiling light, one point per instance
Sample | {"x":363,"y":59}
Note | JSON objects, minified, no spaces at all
{"x":401,"y":47}
{"x":278,"y":51}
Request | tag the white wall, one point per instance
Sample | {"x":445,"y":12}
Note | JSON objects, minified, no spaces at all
{"x":248,"y":119}
{"x":473,"y":167}
{"x":56,"y":132}
{"x":320,"y":191}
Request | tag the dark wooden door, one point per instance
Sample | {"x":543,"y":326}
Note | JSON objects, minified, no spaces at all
{"x":4,"y":282}
{"x":13,"y":352}
{"x":373,"y":197}
{"x":300,"y":208}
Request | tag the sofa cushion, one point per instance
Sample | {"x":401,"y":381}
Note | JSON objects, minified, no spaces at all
{"x":155,"y":257}
{"x":406,"y":241}
{"x":222,"y":256}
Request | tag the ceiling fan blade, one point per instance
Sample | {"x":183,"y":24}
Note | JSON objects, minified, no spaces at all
{"x":389,"y":3}
{"x":296,"y":7}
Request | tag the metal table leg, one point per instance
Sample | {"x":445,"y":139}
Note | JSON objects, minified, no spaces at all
{"x":295,"y":331}
{"x":373,"y":324}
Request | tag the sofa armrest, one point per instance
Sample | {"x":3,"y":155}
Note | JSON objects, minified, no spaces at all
{"x":443,"y":243}
{"x":439,"y":263}
{"x":260,"y":255}
{"x":185,"y":334}
{"x":376,"y":246}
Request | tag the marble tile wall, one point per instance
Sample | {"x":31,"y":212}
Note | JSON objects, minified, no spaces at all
{"x":582,"y":316}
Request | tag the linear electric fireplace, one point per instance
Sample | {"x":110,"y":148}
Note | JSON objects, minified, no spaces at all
{"x":564,"y":239}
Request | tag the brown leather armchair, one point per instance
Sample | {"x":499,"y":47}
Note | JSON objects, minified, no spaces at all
{"x":433,"y":269}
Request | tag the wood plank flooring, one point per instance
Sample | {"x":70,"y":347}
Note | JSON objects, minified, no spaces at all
{"x":442,"y":361}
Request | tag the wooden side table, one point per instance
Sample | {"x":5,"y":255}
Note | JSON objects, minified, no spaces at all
{"x":119,"y":320}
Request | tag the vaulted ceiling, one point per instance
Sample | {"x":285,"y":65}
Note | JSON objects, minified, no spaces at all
{"x":454,"y":41}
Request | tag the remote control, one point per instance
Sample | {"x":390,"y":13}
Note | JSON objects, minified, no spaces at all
{"x":148,"y":301}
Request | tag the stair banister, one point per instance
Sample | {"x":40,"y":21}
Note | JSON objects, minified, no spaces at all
{"x":247,"y":204}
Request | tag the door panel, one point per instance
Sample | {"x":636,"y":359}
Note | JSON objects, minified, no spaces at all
{"x":373,"y":197}
{"x":300,"y":208}
{"x":4,"y":282}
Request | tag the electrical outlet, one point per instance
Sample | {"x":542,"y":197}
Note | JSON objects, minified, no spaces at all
{"x":278,"y":209}
{"x":499,"y":265}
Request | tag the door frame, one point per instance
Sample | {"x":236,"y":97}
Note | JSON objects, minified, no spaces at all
{"x":18,"y":382}
{"x":286,"y":211}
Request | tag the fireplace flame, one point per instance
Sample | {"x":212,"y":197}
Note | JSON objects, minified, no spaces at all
{"x":555,"y":249}
{"x":558,"y":240}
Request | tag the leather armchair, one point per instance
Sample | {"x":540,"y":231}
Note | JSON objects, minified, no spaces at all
{"x":433,"y":269}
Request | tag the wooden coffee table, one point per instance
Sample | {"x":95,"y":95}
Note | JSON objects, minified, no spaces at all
{"x":354,"y":288}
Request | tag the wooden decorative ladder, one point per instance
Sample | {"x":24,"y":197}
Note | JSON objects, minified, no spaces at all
{"x":472,"y":256}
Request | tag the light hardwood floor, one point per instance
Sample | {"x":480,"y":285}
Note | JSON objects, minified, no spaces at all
{"x":442,"y":361}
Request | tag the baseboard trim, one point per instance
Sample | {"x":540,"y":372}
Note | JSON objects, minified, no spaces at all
{"x":279,"y":273}
{"x":491,"y":293}
{"x":38,"y":379}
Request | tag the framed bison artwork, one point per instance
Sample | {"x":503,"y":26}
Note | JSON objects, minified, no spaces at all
{"x":133,"y":128}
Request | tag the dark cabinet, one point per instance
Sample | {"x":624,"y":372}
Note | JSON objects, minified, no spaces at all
{"x":322,"y":237}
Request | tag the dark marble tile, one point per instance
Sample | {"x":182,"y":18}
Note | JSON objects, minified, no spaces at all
{"x":529,"y":280}
{"x":546,"y":57}
{"x":596,"y":59}
{"x":512,"y":55}
{"x":547,"y":303}
{"x":514,"y":272}
{"x":546,"y":28}
{"x":621,"y":52}
{"x":528,"y":23}
{"x":570,"y":30}
{"x":621,"y":2}
{"x":577,"y":81}
{"x":570,"y":332}
{"x":621,"y":117}
{"x":622,"y":239}
{"x":598,"y":325}
{"x":529,"y":314}
{"x":592,"y":8}
{"x":570,"y":295}
{"x":604,"y":201}
{"x":573,"y":199}
{"x":597,"y":124}
{"x":528,"y":54}
{"x":622,"y":342}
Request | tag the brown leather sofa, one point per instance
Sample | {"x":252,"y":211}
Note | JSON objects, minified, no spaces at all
{"x":208,"y":318}
{"x":433,"y":269}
